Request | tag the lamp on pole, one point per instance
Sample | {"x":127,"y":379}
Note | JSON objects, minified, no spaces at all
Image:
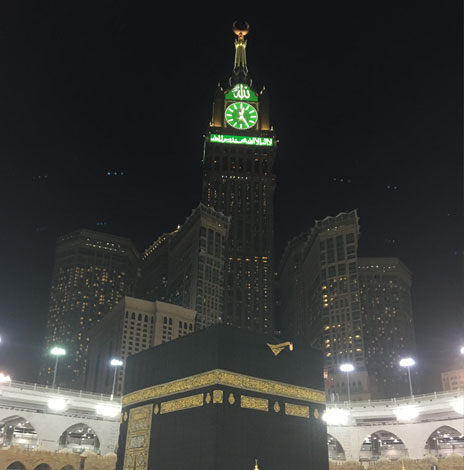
{"x":4,"y":378}
{"x":56,"y":351}
{"x":408,"y":362}
{"x":115,"y":363}
{"x":347,"y":367}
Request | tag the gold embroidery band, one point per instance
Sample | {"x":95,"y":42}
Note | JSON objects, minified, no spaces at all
{"x":182,"y":404}
{"x":297,"y":410}
{"x":225,"y":378}
{"x":138,"y":438}
{"x":254,"y":403}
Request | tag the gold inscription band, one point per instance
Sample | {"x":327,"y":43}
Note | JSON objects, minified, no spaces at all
{"x":182,"y":404}
{"x":140,"y":422}
{"x":297,"y":410}
{"x":138,"y":438}
{"x":254,"y":403}
{"x":225,"y":378}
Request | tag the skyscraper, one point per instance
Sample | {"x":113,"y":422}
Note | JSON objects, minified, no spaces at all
{"x":357,"y":310}
{"x":240,"y":148}
{"x":323,"y":306}
{"x":388,"y":326}
{"x":196,"y":265}
{"x":92,"y":272}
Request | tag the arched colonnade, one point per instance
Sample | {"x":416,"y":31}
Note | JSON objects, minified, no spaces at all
{"x":16,"y":430}
{"x":370,"y":443}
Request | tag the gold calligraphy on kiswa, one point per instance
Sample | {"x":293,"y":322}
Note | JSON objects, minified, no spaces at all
{"x":138,"y":438}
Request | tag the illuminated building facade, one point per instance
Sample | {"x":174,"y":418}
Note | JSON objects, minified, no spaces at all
{"x":240,"y":148}
{"x":452,"y":380}
{"x":357,"y":310}
{"x":131,"y":326}
{"x":322,"y":303}
{"x":92,"y":272}
{"x":196,"y":265}
{"x":388,"y":326}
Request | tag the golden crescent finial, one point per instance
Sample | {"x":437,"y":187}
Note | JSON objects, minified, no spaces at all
{"x":241,"y":33}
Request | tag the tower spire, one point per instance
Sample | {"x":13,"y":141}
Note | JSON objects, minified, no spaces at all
{"x":240,"y":63}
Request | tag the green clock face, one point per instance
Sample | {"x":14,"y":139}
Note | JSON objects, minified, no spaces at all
{"x":241,"y":115}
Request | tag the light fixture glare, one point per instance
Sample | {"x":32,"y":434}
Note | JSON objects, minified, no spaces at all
{"x":57,"y":404}
{"x":336,"y":416}
{"x":347,"y":367}
{"x":57,"y":351}
{"x":109,"y":411}
{"x":407,"y":362}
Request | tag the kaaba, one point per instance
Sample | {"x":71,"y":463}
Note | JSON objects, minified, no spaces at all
{"x":223,"y":398}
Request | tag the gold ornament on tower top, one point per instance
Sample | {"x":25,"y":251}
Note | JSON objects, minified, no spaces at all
{"x":240,"y":63}
{"x":241,"y":33}
{"x":277,"y":348}
{"x":256,"y":465}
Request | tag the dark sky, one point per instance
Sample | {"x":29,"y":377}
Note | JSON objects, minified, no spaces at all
{"x":366,"y":101}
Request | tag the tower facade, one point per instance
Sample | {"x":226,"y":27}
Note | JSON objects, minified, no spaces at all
{"x":240,"y":148}
{"x":320,"y":299}
{"x":92,"y":272}
{"x":153,"y":282}
{"x":388,"y":326}
{"x":196,"y":265}
{"x":131,"y":326}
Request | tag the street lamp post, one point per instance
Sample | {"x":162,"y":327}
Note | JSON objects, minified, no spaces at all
{"x":347,"y":368}
{"x":115,"y":363}
{"x":408,"y":362}
{"x":56,"y":351}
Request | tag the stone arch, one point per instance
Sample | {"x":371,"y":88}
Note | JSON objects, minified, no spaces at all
{"x":382,"y":444}
{"x":80,"y":438}
{"x":42,"y":466}
{"x":18,"y":431}
{"x":67,"y":467}
{"x":445,"y":441}
{"x":336,"y":451}
{"x":16,"y":465}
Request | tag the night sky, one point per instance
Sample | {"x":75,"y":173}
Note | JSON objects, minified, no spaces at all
{"x":366,"y":100}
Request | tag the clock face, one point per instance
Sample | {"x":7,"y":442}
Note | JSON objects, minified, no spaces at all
{"x":241,"y":115}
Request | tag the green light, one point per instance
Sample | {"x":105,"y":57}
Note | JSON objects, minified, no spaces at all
{"x":241,"y":140}
{"x":241,"y":115}
{"x":241,"y":92}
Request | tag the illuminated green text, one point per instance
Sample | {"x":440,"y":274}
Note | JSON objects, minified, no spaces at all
{"x":241,"y":140}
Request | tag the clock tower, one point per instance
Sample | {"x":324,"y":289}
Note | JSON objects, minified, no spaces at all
{"x":240,"y":148}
